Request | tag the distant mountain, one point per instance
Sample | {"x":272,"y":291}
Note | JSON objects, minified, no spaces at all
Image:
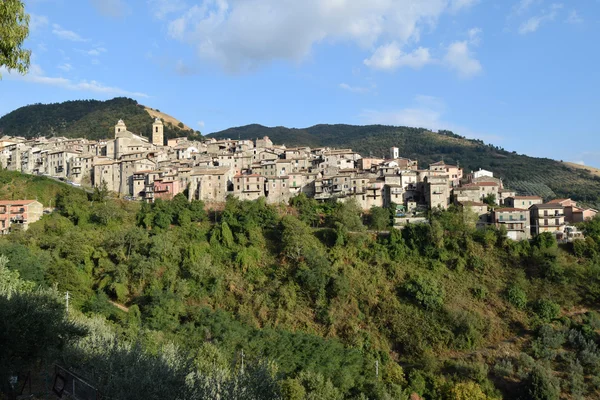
{"x":528,"y":175}
{"x":91,"y":119}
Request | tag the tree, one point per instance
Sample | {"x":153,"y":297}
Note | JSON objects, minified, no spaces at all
{"x":490,"y":200}
{"x":379,"y":218}
{"x":14,"y":29}
{"x":542,"y":385}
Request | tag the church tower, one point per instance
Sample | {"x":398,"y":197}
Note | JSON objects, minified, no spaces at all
{"x":157,"y":132}
{"x":120,"y":127}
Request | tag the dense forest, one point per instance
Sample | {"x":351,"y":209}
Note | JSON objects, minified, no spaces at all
{"x":90,"y":119}
{"x":304,"y":301}
{"x":528,"y":175}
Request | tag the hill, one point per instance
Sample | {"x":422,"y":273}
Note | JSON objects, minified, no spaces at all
{"x":261,"y":302}
{"x":528,"y":175}
{"x":91,"y":119}
{"x":17,"y":186}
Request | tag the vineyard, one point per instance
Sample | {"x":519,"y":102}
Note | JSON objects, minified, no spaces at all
{"x":531,"y":188}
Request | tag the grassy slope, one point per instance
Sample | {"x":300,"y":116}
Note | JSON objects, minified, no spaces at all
{"x":17,"y":186}
{"x":528,"y":175}
{"x":165,"y":117}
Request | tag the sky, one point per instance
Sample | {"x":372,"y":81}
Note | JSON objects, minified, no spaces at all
{"x":521,"y":74}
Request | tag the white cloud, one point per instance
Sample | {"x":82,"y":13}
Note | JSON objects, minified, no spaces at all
{"x":532,"y":24}
{"x":426,"y":112}
{"x":112,"y":8}
{"x":162,"y":8}
{"x":523,"y":6}
{"x":457,"y":5}
{"x":460,"y":58}
{"x":96,"y":52}
{"x":475,"y":36}
{"x":201,"y":124}
{"x":66,"y":67}
{"x":574,"y":18}
{"x":37,"y":75}
{"x":37,"y":22}
{"x":390,"y":57}
{"x":242,"y":35}
{"x":356,"y":89}
{"x":66,"y":34}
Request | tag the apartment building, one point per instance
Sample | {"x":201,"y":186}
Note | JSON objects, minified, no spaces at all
{"x":18,"y":214}
{"x":549,"y":217}
{"x":515,"y":220}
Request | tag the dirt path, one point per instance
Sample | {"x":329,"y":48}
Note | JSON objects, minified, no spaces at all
{"x":119,"y":306}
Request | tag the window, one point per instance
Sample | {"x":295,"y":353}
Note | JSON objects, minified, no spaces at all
{"x":545,"y":213}
{"x":557,"y":221}
{"x":247,"y":187}
{"x":546,"y":221}
{"x":258,"y":186}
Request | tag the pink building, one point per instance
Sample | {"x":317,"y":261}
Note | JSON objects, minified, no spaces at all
{"x":166,"y":190}
{"x":18,"y":214}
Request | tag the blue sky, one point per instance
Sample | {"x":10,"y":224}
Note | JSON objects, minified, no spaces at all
{"x":522,"y":74}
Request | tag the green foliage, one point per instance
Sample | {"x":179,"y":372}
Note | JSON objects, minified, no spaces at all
{"x":313,"y":312}
{"x":91,"y":119}
{"x":516,"y":296}
{"x":14,"y":29}
{"x":542,"y":385}
{"x":425,"y":291}
{"x":379,"y":218}
{"x":546,"y":310}
{"x":33,"y":327}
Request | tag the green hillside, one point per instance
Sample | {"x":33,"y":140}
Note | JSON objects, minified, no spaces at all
{"x":264,"y":302}
{"x":17,"y":186}
{"x":90,"y":119}
{"x":528,"y":175}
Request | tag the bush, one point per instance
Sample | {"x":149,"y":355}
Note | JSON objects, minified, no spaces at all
{"x":504,"y":368}
{"x":547,"y":310}
{"x":425,"y":291}
{"x":547,"y":342}
{"x":541,"y":385}
{"x":516,"y":296}
{"x":466,"y":391}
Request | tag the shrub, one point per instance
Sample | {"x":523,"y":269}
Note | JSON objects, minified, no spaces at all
{"x":425,"y":291}
{"x":547,"y":310}
{"x":504,"y":368}
{"x":548,"y":340}
{"x":542,"y":385}
{"x":479,"y":292}
{"x":466,"y":391}
{"x":576,"y":380}
{"x":516,"y":296}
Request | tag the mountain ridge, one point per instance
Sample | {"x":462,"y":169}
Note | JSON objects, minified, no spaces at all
{"x":527,"y":175}
{"x":95,"y":119}
{"x":91,"y":119}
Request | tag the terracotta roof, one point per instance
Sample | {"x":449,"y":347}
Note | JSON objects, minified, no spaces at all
{"x":548,"y":205}
{"x":16,"y":202}
{"x":557,"y":201}
{"x":508,"y":209}
{"x":526,"y":197}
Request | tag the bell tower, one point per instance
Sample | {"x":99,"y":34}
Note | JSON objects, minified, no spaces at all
{"x":158,"y":132}
{"x":120,"y":127}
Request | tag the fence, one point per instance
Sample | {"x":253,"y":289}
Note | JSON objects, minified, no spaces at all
{"x":66,"y":382}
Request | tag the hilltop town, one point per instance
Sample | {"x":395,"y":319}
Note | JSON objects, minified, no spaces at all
{"x":137,"y":168}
